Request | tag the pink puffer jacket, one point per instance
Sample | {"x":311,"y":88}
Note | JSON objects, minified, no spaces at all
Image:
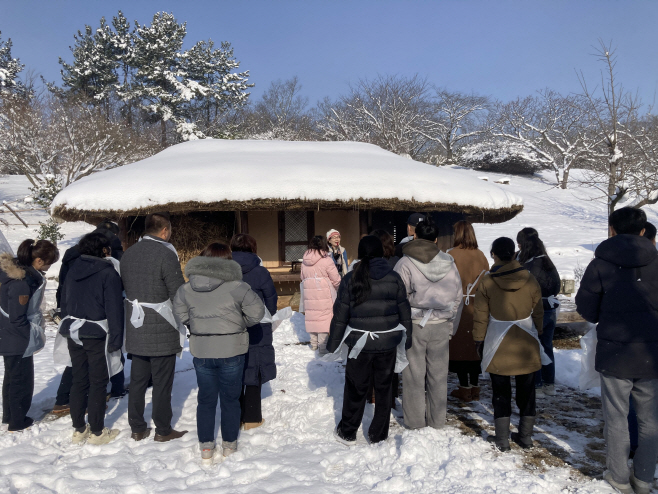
{"x":319,"y":276}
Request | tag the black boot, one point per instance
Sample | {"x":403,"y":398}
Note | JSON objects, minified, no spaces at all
{"x":524,"y":437}
{"x":501,"y":439}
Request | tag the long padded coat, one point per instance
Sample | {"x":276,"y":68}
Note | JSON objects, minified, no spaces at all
{"x":260,"y":359}
{"x":319,"y":273}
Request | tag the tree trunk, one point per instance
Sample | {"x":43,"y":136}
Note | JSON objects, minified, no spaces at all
{"x":163,"y":133}
{"x":565,"y":179}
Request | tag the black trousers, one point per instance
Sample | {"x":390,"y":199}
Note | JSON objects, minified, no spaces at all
{"x":162,"y":371}
{"x":65,"y":383}
{"x":502,"y":395}
{"x":17,"y":390}
{"x":358,"y":373}
{"x":90,"y":378}
{"x":250,"y":404}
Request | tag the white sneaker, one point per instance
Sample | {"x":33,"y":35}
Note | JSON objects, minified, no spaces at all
{"x":229,"y":448}
{"x":81,"y":437}
{"x":623,"y":488}
{"x":549,"y":389}
{"x":640,"y":486}
{"x":207,"y":454}
{"x":539,"y":392}
{"x":106,"y":436}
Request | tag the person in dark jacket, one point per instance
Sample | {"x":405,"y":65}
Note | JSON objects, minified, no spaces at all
{"x":151,"y":275}
{"x":92,"y":322}
{"x":532,"y":255}
{"x":372,"y":305}
{"x":260,"y":366}
{"x":412,"y":222}
{"x":619,"y":291}
{"x":21,"y":334}
{"x":111,"y":231}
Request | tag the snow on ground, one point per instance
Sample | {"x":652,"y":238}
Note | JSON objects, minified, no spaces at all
{"x":294,"y":452}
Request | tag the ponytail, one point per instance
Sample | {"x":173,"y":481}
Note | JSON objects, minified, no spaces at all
{"x":370,"y":247}
{"x":29,"y":250}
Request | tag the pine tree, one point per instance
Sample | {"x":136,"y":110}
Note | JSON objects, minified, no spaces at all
{"x":9,"y":69}
{"x":93,"y":72}
{"x":122,"y":42}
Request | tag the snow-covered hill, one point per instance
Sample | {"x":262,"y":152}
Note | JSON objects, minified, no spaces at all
{"x":294,"y":452}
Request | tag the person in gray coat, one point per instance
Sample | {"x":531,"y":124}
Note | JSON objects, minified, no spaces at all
{"x":151,"y":275}
{"x":218,"y":307}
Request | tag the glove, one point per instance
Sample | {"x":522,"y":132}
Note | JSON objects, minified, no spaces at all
{"x":479,"y":345}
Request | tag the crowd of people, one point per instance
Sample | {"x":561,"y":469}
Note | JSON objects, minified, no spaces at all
{"x":411,"y":310}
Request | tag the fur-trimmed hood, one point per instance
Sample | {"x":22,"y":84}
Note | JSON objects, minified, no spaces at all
{"x":10,"y":268}
{"x":207,"y":273}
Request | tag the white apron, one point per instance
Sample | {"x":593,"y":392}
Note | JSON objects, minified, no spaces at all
{"x":61,"y":355}
{"x":36,"y":320}
{"x":340,"y":354}
{"x":165,"y":309}
{"x":497,"y":330}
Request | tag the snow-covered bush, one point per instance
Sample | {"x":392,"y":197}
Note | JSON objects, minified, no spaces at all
{"x":43,"y":193}
{"x":499,"y":157}
{"x":50,"y":230}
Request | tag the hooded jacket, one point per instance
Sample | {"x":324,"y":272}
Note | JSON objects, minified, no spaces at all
{"x":548,"y":279}
{"x":17,"y":286}
{"x":432,"y":280}
{"x":217,"y":306}
{"x":93,"y":291}
{"x":319,"y":275}
{"x":260,"y":366}
{"x":151,"y":273}
{"x":510,"y":293}
{"x":619,"y":291}
{"x":386,"y":308}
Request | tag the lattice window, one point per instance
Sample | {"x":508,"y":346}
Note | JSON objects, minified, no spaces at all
{"x":295,"y":252}
{"x":296,"y":227}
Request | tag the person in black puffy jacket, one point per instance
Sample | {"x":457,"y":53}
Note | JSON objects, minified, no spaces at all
{"x":532,"y":255}
{"x":371,"y":299}
{"x":92,"y":292}
{"x":260,"y":366}
{"x":20,"y":280}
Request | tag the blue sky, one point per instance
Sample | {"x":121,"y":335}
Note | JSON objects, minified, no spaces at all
{"x":499,"y":48}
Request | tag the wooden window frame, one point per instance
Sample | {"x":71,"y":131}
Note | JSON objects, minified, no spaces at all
{"x":310,"y":233}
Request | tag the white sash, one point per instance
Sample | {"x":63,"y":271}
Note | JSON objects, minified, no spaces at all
{"x":340,"y":354}
{"x":496,"y":332}
{"x":61,"y":354}
{"x":471,"y":286}
{"x":165,"y":309}
{"x":553,"y":301}
{"x":166,"y":244}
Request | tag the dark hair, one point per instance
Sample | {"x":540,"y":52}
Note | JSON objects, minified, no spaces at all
{"x":242,"y":242}
{"x":217,"y":249}
{"x":465,"y":235}
{"x":427,"y":230}
{"x":319,"y":244}
{"x":532,"y":246}
{"x":155,"y":222}
{"x":29,"y":250}
{"x":387,"y":242}
{"x":93,"y":244}
{"x":370,"y":247}
{"x":108,"y":225}
{"x":650,"y":231}
{"x":503,"y":248}
{"x":628,"y":221}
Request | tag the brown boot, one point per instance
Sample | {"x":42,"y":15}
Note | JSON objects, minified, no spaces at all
{"x":138,"y":436}
{"x":172,"y":435}
{"x":462,"y":393}
{"x":61,"y":410}
{"x":252,"y":425}
{"x":475,"y":393}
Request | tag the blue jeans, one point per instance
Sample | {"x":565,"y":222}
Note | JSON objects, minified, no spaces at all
{"x":219,"y":378}
{"x":547,"y":373}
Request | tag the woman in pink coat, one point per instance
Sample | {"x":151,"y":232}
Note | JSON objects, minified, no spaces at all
{"x":320,"y":280}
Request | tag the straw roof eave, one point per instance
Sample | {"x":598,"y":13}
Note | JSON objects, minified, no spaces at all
{"x":475,"y":214}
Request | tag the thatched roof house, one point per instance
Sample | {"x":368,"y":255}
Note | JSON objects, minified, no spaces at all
{"x":281,"y":193}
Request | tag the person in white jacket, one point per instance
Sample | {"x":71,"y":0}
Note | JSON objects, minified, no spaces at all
{"x":434,"y":289}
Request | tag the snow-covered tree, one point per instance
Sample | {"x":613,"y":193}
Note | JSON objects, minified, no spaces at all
{"x":9,"y":69}
{"x":392,"y":112}
{"x":457,"y":120}
{"x":556,"y":128}
{"x":499,"y":156}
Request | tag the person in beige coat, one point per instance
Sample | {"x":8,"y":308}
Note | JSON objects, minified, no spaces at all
{"x":472,"y":265}
{"x":509,"y":298}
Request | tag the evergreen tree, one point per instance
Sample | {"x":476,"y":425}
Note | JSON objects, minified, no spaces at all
{"x":9,"y":69}
{"x":122,"y":42}
{"x":93,"y":72}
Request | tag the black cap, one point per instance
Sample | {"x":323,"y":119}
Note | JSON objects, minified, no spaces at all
{"x":415,"y":218}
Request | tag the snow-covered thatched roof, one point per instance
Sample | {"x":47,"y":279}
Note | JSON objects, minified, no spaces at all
{"x":224,"y":175}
